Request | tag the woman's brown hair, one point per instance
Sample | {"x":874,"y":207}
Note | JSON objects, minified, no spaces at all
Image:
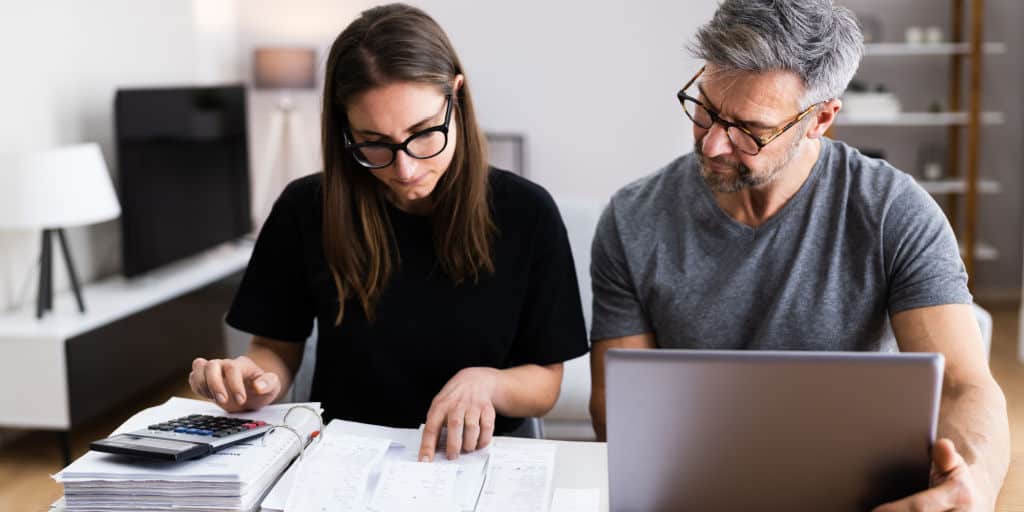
{"x":391,"y":44}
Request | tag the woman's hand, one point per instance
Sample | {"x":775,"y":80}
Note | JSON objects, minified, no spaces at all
{"x":466,"y":407}
{"x":234,"y":384}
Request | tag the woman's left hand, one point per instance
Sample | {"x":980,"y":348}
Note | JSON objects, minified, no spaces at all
{"x":466,"y":407}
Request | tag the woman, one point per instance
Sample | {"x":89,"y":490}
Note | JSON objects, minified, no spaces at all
{"x":444,"y":291}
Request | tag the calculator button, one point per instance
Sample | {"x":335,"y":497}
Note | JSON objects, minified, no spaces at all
{"x":181,"y":429}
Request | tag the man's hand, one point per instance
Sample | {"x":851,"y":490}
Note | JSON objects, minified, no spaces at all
{"x":953,"y":486}
{"x":466,"y":406}
{"x":234,"y":384}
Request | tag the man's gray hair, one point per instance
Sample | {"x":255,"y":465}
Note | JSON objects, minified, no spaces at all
{"x":816,"y":39}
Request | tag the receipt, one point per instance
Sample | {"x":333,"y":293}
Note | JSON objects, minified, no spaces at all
{"x":334,"y":476}
{"x":420,"y":486}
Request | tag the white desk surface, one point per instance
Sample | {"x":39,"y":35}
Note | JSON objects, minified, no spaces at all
{"x":578,"y":465}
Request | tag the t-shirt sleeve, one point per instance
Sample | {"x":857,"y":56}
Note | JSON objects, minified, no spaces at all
{"x":618,"y":311}
{"x":922,"y":257}
{"x":551,"y":327}
{"x":274,"y":300}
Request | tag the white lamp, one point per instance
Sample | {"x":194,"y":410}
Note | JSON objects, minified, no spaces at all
{"x":282,"y":69}
{"x":51,"y":190}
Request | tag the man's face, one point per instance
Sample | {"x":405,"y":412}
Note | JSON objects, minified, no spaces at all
{"x":761,"y":102}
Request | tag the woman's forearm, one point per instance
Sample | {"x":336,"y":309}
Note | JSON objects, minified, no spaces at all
{"x":528,"y":390}
{"x":277,"y":357}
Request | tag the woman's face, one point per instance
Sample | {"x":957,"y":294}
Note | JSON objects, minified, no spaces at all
{"x":391,"y":113}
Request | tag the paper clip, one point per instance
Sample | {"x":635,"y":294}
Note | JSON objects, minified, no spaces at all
{"x":302,"y":445}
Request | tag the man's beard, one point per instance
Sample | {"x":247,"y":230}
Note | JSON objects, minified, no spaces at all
{"x":745,"y":177}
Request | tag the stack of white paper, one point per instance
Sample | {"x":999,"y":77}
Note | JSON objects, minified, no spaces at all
{"x":235,"y":478}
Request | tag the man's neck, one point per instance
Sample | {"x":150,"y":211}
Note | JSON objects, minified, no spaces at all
{"x":754,"y":206}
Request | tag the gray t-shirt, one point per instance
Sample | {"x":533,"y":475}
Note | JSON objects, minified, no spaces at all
{"x":859,"y":239}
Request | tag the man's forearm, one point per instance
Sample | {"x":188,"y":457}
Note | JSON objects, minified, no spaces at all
{"x":598,"y":348}
{"x":597,"y":414}
{"x":974,"y":417}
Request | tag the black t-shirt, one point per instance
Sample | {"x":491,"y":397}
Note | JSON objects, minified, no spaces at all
{"x":427,"y":329}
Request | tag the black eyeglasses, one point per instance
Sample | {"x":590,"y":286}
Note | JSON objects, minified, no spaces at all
{"x":421,"y":145}
{"x":741,"y":137}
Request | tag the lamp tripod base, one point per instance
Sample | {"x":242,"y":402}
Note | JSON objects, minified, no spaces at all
{"x":44,"y":297}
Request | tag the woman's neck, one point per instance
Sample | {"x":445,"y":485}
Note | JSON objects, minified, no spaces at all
{"x":422,"y":206}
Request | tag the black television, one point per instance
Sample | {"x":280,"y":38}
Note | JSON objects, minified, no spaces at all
{"x":183,"y":167}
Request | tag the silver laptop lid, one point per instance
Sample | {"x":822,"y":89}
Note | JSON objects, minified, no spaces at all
{"x":752,"y":430}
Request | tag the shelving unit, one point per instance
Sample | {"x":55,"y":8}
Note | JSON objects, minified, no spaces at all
{"x":964,"y":117}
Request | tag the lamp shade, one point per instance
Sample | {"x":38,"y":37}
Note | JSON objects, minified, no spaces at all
{"x":284,"y":68}
{"x":62,"y":187}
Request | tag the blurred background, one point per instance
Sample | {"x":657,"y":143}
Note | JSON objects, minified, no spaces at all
{"x":578,"y":96}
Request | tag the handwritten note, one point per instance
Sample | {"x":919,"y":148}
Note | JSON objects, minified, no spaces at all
{"x":519,"y":479}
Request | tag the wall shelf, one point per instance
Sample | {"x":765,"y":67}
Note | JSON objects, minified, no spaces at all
{"x":982,"y":252}
{"x":959,"y":186}
{"x":918,"y":119}
{"x":938,"y":49}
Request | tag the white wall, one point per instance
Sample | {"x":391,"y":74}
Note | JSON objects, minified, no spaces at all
{"x":63,"y":59}
{"x":591,"y":84}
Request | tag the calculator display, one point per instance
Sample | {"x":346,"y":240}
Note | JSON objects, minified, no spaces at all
{"x":149,"y":442}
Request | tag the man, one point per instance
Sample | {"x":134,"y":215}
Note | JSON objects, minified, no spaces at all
{"x":771,"y":236}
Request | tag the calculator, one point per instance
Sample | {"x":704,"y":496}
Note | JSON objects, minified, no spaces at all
{"x":185,"y":438}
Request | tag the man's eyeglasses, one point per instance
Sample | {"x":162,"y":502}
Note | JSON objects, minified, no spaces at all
{"x":421,"y":145}
{"x":744,"y":139}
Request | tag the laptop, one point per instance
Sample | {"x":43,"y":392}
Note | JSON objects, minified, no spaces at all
{"x":757,"y":430}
